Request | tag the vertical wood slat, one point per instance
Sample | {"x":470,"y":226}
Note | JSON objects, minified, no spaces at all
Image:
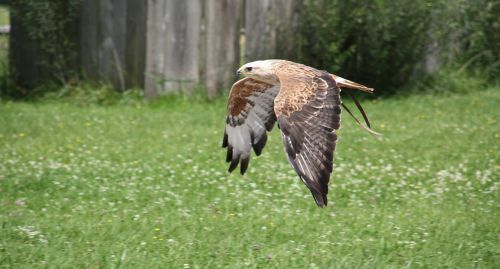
{"x":258,"y":36}
{"x":89,"y":38}
{"x":270,"y":26}
{"x":112,"y":41}
{"x":172,"y":50}
{"x":222,"y":23}
{"x":135,"y":52}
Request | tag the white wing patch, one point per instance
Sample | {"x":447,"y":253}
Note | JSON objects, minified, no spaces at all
{"x":247,"y":128}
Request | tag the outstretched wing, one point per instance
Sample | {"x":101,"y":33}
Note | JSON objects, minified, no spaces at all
{"x":308,"y":111}
{"x":250,"y":110}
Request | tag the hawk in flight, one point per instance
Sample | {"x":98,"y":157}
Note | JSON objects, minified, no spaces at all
{"x":306,"y":104}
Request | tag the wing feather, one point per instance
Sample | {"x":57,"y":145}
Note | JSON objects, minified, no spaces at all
{"x":309,"y":129}
{"x":250,"y":116}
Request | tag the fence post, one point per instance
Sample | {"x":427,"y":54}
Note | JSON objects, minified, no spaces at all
{"x":112,"y":41}
{"x":270,"y":27}
{"x":172,"y":47}
{"x":135,"y":51}
{"x":221,"y":48}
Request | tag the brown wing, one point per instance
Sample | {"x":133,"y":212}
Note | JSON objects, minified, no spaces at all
{"x":250,"y":114}
{"x":308,"y":119}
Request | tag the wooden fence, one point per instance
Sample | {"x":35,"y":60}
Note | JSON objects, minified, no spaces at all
{"x":171,"y":45}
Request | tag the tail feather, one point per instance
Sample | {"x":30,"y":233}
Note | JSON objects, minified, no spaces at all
{"x":344,"y":83}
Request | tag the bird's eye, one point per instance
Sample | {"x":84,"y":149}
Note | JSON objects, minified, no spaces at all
{"x":248,"y":69}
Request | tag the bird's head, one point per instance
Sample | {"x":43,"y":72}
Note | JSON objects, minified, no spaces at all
{"x":260,"y":70}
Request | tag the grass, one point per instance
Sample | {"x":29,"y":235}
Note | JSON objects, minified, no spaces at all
{"x":145,"y":186}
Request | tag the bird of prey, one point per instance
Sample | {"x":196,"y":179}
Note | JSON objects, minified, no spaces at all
{"x":306,"y":104}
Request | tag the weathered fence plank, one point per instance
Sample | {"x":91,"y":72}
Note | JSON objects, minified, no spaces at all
{"x":135,"y":52}
{"x":269,"y":28}
{"x":89,"y":39}
{"x":222,"y":49}
{"x":172,"y":53}
{"x":112,"y":41}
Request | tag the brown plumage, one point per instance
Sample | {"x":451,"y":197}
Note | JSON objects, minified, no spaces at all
{"x":305,"y":102}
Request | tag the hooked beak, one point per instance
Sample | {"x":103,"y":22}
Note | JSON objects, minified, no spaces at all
{"x":238,"y":72}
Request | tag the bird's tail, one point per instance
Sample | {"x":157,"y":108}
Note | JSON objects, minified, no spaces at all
{"x":344,"y":83}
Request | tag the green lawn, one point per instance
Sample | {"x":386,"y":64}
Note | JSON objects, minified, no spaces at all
{"x":145,"y":186}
